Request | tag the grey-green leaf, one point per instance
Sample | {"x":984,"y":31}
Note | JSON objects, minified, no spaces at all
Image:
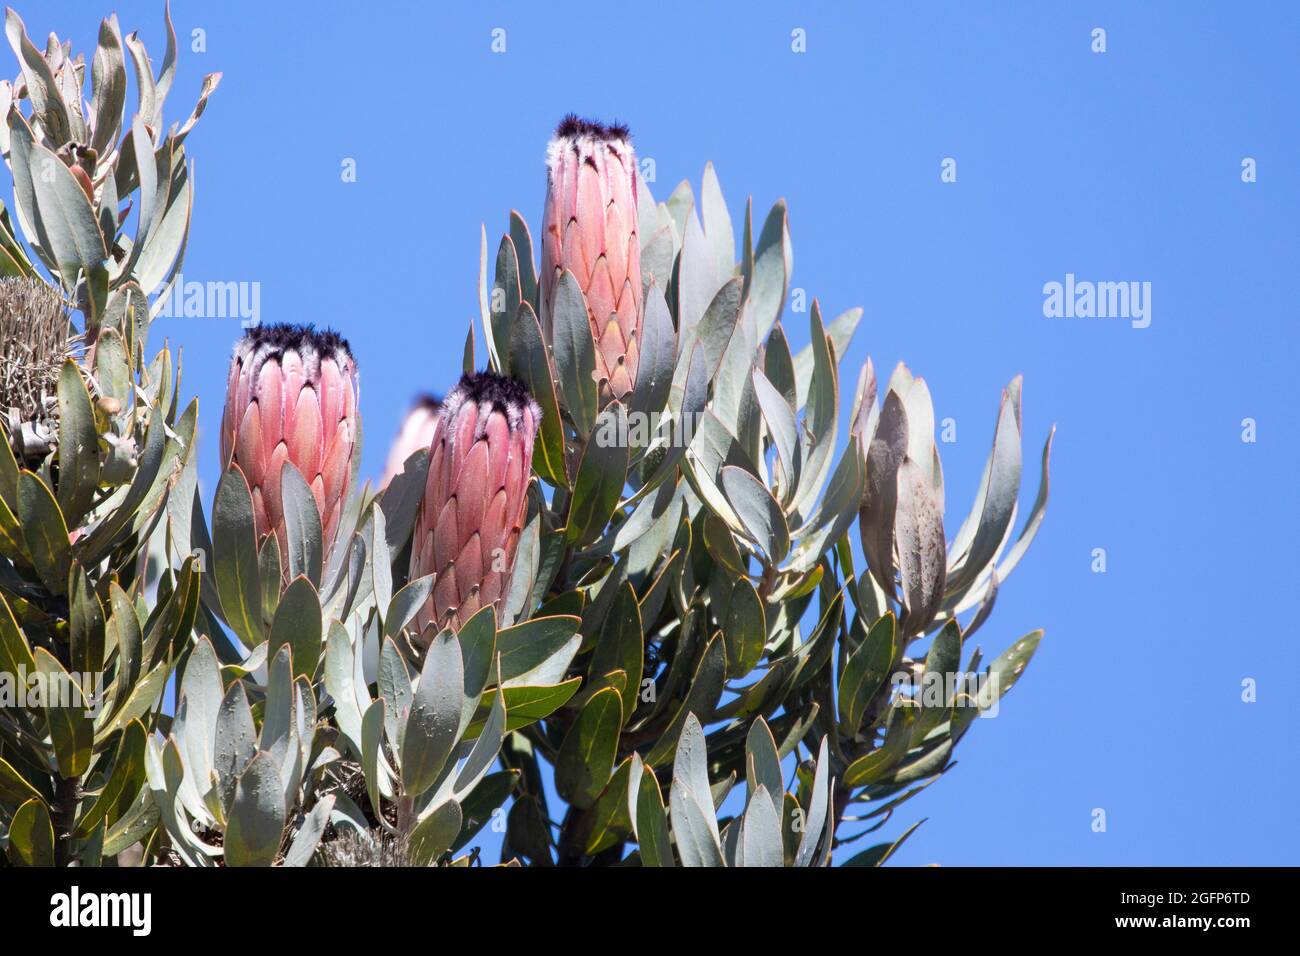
{"x":586,"y":757}
{"x":78,"y":446}
{"x":602,"y":472}
{"x":256,"y":815}
{"x":575,"y":352}
{"x":434,"y":721}
{"x":761,"y":838}
{"x":302,"y":525}
{"x":758,"y":511}
{"x":297,"y":623}
{"x":234,"y":564}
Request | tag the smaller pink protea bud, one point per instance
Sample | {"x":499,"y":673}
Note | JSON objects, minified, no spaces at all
{"x":475,"y":499}
{"x":416,"y":433}
{"x":292,"y":396}
{"x":590,"y":228}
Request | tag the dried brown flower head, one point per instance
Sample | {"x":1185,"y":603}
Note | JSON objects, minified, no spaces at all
{"x":35,"y":339}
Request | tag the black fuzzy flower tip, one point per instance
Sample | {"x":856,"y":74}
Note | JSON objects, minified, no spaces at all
{"x":503,"y":393}
{"x":281,"y":337}
{"x":574,"y":125}
{"x":428,"y":401}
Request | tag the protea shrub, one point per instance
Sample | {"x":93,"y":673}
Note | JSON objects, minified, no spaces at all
{"x":724,"y":602}
{"x":370,"y":676}
{"x":98,"y":454}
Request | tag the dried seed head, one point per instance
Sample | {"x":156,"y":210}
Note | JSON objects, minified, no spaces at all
{"x":375,"y":848}
{"x":35,"y":339}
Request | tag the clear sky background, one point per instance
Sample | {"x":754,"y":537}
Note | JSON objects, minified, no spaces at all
{"x":1116,"y":166}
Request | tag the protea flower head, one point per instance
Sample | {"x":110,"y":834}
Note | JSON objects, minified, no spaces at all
{"x":475,"y":498}
{"x":416,"y":433}
{"x":591,"y":230}
{"x":292,"y":396}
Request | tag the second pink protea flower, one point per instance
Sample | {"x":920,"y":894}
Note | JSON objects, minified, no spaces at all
{"x":292,"y":396}
{"x":591,"y":229}
{"x":475,"y":499}
{"x":416,"y":433}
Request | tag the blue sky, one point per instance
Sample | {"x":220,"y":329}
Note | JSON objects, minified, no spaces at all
{"x":1117,"y":166}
